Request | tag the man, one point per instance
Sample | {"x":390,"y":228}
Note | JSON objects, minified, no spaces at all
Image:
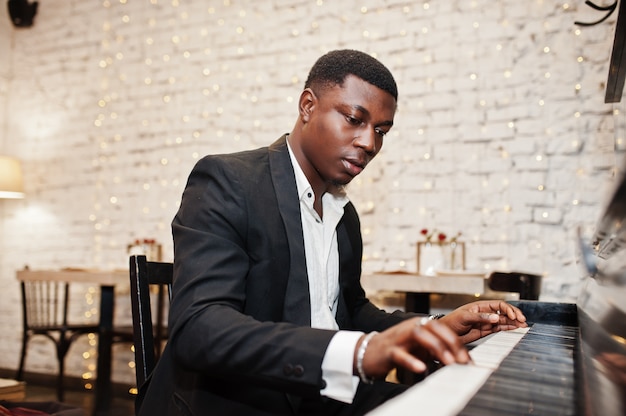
{"x":268,"y":315}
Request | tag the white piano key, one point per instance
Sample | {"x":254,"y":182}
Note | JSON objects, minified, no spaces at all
{"x":447,"y":391}
{"x":443,"y":393}
{"x":492,"y":351}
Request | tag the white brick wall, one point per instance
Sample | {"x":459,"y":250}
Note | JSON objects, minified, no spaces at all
{"x":110,"y":103}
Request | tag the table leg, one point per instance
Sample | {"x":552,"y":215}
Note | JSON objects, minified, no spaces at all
{"x":417,"y":302}
{"x":103,"y":371}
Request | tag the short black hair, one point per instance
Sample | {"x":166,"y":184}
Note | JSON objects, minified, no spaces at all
{"x":333,"y":67}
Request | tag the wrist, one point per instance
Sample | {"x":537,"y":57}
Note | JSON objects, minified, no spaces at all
{"x":360,"y":355}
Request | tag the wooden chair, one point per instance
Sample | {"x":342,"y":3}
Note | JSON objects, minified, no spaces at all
{"x":44,"y":310}
{"x":148,"y":333}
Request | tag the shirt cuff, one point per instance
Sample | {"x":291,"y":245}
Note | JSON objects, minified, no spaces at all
{"x":337,"y":367}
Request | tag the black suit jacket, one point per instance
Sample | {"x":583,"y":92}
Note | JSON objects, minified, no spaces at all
{"x":240,"y":335}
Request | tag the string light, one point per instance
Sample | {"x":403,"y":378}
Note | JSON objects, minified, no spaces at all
{"x":161,"y":66}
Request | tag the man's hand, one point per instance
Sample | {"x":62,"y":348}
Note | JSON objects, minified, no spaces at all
{"x":478,"y":319}
{"x":410,"y":344}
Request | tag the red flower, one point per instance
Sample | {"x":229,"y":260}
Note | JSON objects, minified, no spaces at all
{"x":441,"y":237}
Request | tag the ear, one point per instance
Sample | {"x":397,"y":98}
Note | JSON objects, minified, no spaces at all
{"x":307,"y":103}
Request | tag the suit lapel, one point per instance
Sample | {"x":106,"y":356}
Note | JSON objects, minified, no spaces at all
{"x":297,"y":307}
{"x":348,"y":241}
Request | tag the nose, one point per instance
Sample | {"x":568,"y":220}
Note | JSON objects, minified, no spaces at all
{"x":367,"y":140}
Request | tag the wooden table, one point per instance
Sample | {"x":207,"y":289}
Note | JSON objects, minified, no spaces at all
{"x":419,"y":287}
{"x":107,"y":280}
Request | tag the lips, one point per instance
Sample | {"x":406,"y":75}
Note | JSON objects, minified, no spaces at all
{"x":354,"y":166}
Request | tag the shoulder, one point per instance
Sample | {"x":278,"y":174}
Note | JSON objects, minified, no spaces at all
{"x":238,"y":158}
{"x":246,"y":157}
{"x":239,"y":165}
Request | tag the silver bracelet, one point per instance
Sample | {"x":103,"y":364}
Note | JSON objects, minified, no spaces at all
{"x":436,"y":316}
{"x":359,"y":358}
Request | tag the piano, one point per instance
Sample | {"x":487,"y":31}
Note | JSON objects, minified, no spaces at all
{"x":571,"y":360}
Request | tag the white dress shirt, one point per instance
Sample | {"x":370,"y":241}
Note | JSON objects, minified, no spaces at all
{"x":322,"y":260}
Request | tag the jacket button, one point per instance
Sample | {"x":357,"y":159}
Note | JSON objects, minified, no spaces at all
{"x":298,"y":370}
{"x":288,"y":369}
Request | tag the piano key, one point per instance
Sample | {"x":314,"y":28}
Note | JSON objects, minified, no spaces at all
{"x":441,"y":394}
{"x":493,"y":350}
{"x":446,"y":391}
{"x":499,"y":405}
{"x":551,"y":378}
{"x":536,"y":377}
{"x":514,"y":372}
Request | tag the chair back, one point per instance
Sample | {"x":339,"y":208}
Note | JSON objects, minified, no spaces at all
{"x":147,"y":333}
{"x":44,"y":304}
{"x":45,"y":312}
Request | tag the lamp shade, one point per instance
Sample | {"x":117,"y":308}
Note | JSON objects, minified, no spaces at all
{"x":11,"y":185}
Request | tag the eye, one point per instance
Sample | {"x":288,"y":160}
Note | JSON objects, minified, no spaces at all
{"x":380,"y":132}
{"x":353,"y":120}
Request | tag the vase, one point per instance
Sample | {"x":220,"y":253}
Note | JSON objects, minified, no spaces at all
{"x":433,"y":257}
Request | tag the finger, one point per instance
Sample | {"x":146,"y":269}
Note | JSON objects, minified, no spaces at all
{"x":492,"y":318}
{"x":512,"y":323}
{"x":507,"y":310}
{"x":512,"y":316}
{"x":510,"y":326}
{"x":434,"y":345}
{"x":513,"y":313}
{"x":519,"y":315}
{"x":403,"y":358}
{"x":441,"y":342}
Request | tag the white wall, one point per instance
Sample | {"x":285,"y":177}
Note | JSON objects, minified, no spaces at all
{"x":502,"y":132}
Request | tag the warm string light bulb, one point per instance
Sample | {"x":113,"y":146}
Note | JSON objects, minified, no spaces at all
{"x":195,"y":153}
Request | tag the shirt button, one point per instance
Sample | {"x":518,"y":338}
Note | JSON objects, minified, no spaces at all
{"x":309,"y":194}
{"x":298,"y":370}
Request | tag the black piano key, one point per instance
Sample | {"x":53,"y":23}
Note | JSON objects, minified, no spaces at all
{"x":537,"y":377}
{"x":522,"y":400}
{"x":508,"y":405}
{"x":551,"y":378}
{"x":526,"y":390}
